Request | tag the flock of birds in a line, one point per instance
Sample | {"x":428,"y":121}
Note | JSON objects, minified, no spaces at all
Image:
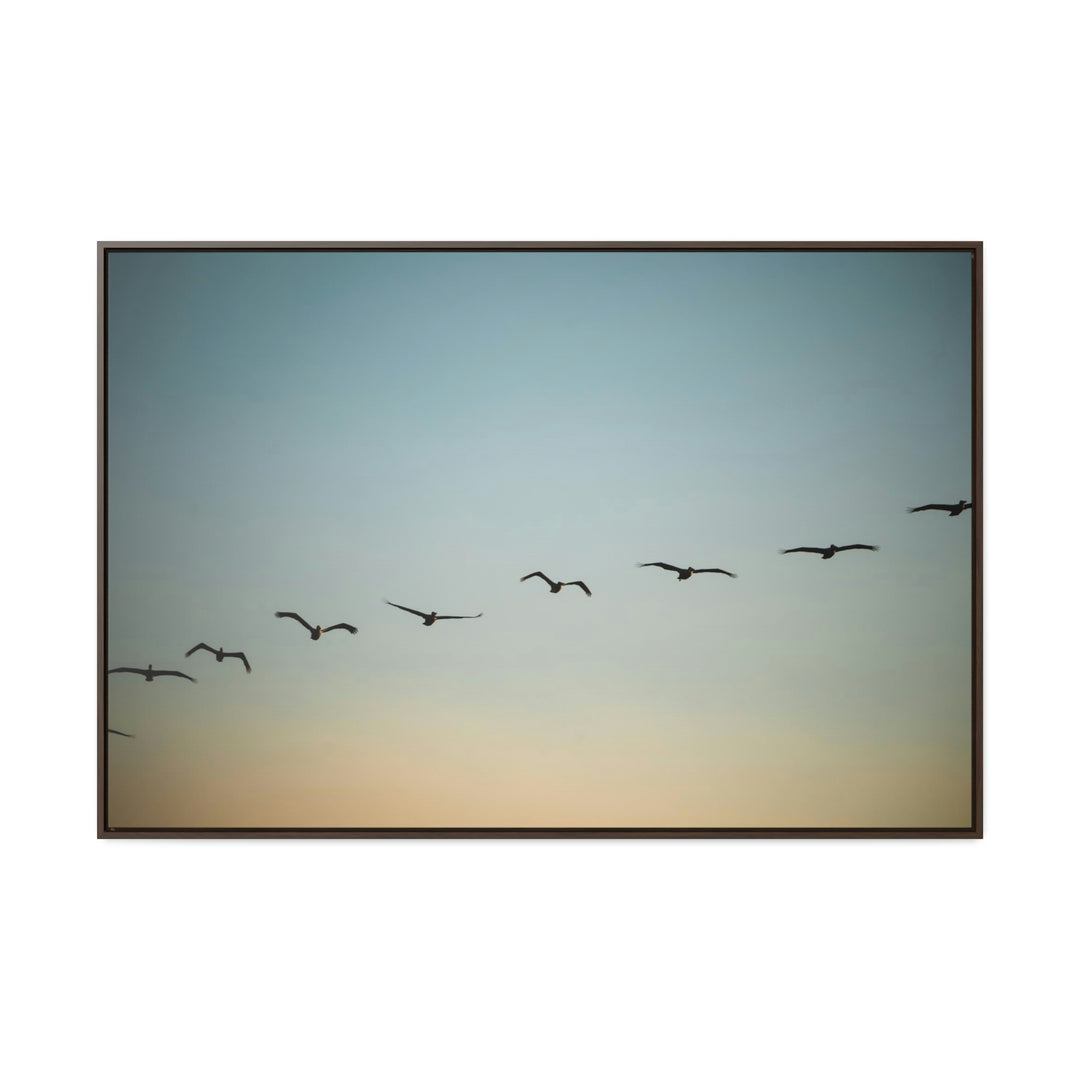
{"x":430,"y":617}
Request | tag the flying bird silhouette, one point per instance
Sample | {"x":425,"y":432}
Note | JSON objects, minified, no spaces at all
{"x":220,"y":654}
{"x":832,"y":549}
{"x":149,"y":674}
{"x":430,"y":618}
{"x":315,"y":631}
{"x":954,"y":509}
{"x":685,"y":574}
{"x":113,"y":731}
{"x":557,"y":586}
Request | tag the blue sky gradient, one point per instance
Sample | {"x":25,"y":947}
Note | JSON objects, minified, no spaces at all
{"x":319,"y":431}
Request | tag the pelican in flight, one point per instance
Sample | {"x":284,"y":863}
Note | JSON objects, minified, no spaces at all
{"x":557,"y":586}
{"x":149,"y":674}
{"x":113,"y":731}
{"x":832,"y":549}
{"x":954,"y":509}
{"x":315,"y":631}
{"x":687,"y":573}
{"x":430,"y":618}
{"x":220,"y":654}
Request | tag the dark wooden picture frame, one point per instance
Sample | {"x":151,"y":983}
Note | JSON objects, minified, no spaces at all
{"x":107,"y":830}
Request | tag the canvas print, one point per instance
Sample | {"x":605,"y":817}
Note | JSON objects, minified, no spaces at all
{"x":475,"y":539}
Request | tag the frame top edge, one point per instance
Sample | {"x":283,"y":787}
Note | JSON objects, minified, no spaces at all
{"x":579,"y":245}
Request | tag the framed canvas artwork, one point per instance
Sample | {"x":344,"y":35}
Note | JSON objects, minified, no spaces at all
{"x":581,"y":539}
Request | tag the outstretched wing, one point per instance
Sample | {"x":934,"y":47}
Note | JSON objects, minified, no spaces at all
{"x":862,"y":547}
{"x":411,"y":611}
{"x":663,"y":565}
{"x":293,"y":615}
{"x":539,"y":574}
{"x":929,"y":506}
{"x":113,"y":731}
{"x":441,"y":617}
{"x":716,"y":571}
{"x":340,"y":626}
{"x":203,"y":645}
{"x":241,"y":656}
{"x":133,"y":670}
{"x":816,"y":551}
{"x":584,"y":587}
{"x":180,"y":673}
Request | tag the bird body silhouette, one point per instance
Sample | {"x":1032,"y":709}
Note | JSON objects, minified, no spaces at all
{"x":832,"y":549}
{"x":954,"y":509}
{"x":316,"y":632}
{"x":557,"y":586}
{"x":430,"y":618}
{"x":149,"y":674}
{"x":220,"y":654}
{"x":686,"y":573}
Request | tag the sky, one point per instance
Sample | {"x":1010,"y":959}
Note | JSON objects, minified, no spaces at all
{"x":322,"y":431}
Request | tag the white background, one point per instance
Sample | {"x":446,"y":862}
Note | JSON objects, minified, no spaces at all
{"x":556,"y":121}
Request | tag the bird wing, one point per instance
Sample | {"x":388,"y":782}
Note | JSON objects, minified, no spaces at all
{"x":539,"y":574}
{"x":664,"y":565}
{"x":113,"y":731}
{"x":584,"y":587}
{"x":864,"y":547}
{"x":180,"y":673}
{"x":411,"y":611}
{"x":241,"y":656}
{"x":202,"y":645}
{"x":459,"y":616}
{"x":928,"y":506}
{"x":133,"y":670}
{"x":293,"y":615}
{"x":340,"y":626}
{"x":816,"y":551}
{"x":716,"y":571}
